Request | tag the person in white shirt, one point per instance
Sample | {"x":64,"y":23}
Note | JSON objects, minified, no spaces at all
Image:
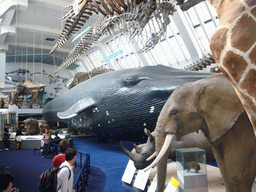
{"x":66,"y":175}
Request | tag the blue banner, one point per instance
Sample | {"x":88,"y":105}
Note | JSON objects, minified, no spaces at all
{"x":111,"y":56}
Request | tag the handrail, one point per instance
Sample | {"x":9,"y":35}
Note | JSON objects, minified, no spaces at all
{"x":55,"y":143}
{"x":82,"y":179}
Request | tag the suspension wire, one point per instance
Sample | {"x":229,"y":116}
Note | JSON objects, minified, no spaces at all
{"x":211,"y":15}
{"x":187,"y":13}
{"x":42,"y":36}
{"x":27,"y":57}
{"x":34,"y":49}
{"x":202,"y":25}
{"x":16,"y":41}
{"x":42,"y":44}
{"x":175,"y":36}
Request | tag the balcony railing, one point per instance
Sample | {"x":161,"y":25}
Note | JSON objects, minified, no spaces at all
{"x":82,"y":179}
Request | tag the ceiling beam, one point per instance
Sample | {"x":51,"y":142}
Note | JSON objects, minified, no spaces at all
{"x":6,"y":5}
{"x":53,"y":4}
{"x":38,"y":28}
{"x":38,"y":46}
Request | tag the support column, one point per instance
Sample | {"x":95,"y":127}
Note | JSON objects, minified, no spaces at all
{"x":2,"y":68}
{"x":141,"y":56}
{"x":185,"y":35}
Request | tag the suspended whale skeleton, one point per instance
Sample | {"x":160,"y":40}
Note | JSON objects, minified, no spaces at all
{"x":126,"y":16}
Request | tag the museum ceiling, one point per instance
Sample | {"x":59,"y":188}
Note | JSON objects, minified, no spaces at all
{"x":32,"y":27}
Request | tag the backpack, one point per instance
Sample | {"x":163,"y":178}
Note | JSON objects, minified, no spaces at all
{"x":48,"y":179}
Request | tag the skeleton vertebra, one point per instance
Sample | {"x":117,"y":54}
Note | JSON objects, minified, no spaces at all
{"x":118,"y":16}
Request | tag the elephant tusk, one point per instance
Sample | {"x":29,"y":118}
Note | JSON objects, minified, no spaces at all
{"x":164,"y":149}
{"x":151,"y":157}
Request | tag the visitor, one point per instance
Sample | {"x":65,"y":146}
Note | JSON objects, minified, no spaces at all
{"x":2,"y":103}
{"x":6,"y":181}
{"x":56,"y":135}
{"x":66,"y":175}
{"x":47,"y":146}
{"x":55,"y":142}
{"x":18,"y":138}
{"x":60,"y":158}
{"x":6,"y":136}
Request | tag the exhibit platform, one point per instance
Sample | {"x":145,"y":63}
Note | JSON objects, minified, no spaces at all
{"x":29,"y":141}
{"x":214,"y":178}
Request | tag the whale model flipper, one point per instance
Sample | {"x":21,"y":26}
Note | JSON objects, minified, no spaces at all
{"x":77,"y":108}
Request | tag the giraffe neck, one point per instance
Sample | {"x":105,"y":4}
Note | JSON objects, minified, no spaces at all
{"x":234,"y":48}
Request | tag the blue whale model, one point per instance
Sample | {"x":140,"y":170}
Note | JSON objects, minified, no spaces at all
{"x":119,"y":104}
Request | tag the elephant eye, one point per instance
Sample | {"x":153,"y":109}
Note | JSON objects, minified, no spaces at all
{"x":174,"y":112}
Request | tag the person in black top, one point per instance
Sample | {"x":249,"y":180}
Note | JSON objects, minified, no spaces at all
{"x":2,"y":103}
{"x":6,"y":136}
{"x":6,"y":181}
{"x":56,"y":135}
{"x":18,"y":138}
{"x":56,"y":140}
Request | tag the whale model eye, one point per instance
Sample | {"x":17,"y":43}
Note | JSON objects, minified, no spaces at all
{"x":133,"y":80}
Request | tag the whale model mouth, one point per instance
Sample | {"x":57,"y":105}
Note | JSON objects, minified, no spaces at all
{"x":77,"y":108}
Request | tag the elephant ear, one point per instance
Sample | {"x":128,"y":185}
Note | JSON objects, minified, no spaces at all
{"x":219,"y":105}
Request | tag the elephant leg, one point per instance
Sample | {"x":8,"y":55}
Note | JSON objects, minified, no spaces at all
{"x":235,"y":153}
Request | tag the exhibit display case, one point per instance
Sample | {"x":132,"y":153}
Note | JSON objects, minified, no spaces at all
{"x":191,"y":169}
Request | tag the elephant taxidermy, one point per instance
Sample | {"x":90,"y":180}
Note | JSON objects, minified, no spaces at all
{"x":210,"y":105}
{"x":140,"y":154}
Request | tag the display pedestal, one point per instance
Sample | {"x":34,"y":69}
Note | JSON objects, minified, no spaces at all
{"x":135,"y":180}
{"x":191,"y":170}
{"x":193,"y":190}
{"x":193,"y":182}
{"x":214,"y":178}
{"x":130,"y":186}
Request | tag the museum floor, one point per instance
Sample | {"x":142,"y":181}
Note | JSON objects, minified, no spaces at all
{"x":108,"y":163}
